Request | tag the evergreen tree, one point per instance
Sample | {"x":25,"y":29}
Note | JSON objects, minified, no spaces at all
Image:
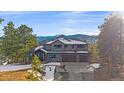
{"x":26,"y":41}
{"x":9,"y":42}
{"x":37,"y":72}
{"x":110,"y":40}
{"x":18,"y":42}
{"x":1,"y":20}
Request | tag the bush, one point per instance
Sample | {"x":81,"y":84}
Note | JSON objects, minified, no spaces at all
{"x":37,"y":71}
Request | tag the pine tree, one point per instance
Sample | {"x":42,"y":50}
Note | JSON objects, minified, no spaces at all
{"x":37,"y":72}
{"x":17,"y":43}
{"x":111,"y":41}
{"x":1,"y":20}
{"x":109,"y":37}
{"x":9,"y":42}
{"x":27,"y":42}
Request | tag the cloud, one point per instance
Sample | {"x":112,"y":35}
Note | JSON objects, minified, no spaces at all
{"x":75,"y":21}
{"x":78,"y":12}
{"x":70,"y":31}
{"x":11,"y":12}
{"x":76,"y":17}
{"x":70,"y":21}
{"x":73,"y":13}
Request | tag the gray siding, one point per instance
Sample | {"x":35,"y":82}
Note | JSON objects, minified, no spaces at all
{"x":72,"y":54}
{"x":57,"y":49}
{"x":70,"y":47}
{"x":56,"y":59}
{"x":51,"y":47}
{"x":68,"y":58}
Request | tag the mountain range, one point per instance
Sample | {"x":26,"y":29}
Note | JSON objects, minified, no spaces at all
{"x":87,"y":38}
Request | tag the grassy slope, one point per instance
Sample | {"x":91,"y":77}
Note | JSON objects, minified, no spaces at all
{"x":13,"y":76}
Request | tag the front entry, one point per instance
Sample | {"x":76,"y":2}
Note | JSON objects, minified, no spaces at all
{"x":40,"y":54}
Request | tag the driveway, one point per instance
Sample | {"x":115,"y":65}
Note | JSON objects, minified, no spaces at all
{"x":14,"y":67}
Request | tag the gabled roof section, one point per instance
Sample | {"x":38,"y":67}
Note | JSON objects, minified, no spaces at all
{"x":67,"y":41}
{"x":40,"y":48}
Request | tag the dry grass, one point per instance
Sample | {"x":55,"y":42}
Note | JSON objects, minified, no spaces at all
{"x":13,"y":75}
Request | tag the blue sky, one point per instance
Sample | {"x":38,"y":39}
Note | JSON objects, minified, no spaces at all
{"x":47,"y":23}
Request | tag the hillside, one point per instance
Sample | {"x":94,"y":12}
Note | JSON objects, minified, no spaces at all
{"x":88,"y":38}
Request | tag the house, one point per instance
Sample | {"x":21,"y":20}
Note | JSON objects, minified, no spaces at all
{"x":71,"y":55}
{"x":63,"y":50}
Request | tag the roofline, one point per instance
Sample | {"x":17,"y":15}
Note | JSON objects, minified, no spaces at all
{"x":67,"y":44}
{"x":54,"y":42}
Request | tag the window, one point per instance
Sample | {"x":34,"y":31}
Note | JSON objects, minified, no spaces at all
{"x":52,"y":56}
{"x":72,"y":46}
{"x":58,"y":46}
{"x":81,"y":46}
{"x":65,"y":46}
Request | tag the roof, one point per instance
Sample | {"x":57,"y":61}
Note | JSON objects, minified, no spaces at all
{"x":37,"y":48}
{"x":67,"y":41}
{"x":68,"y":52}
{"x":40,"y":48}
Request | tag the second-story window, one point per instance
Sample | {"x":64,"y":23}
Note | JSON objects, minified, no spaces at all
{"x":58,"y":46}
{"x":80,"y":46}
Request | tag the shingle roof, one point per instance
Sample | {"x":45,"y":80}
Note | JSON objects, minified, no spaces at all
{"x":67,"y":41}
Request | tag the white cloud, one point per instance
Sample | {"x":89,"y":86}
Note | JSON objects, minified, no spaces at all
{"x":10,"y":12}
{"x":70,"y":21}
{"x":71,"y":31}
{"x":76,"y":21}
{"x":78,"y":12}
{"x":73,"y":13}
{"x":89,"y":21}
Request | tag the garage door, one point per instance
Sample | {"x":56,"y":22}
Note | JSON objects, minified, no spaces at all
{"x":83,"y":58}
{"x":68,"y":58}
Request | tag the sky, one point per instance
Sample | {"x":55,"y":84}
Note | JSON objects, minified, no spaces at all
{"x":48,"y":23}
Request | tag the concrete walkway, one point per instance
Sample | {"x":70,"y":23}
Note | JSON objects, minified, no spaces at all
{"x":14,"y":67}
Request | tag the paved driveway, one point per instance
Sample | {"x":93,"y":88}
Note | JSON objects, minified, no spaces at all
{"x":14,"y":67}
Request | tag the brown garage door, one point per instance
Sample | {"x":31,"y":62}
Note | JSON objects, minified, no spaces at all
{"x":68,"y":58}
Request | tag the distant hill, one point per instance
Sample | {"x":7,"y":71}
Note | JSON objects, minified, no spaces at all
{"x":88,"y":38}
